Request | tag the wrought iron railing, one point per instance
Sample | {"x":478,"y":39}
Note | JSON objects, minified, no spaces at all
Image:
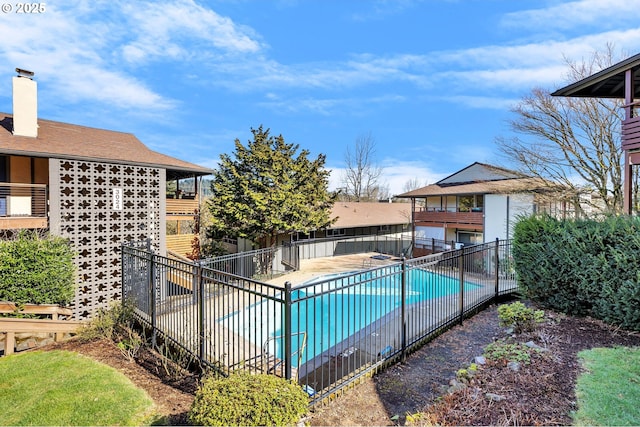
{"x":257,"y":264}
{"x":326,"y":333}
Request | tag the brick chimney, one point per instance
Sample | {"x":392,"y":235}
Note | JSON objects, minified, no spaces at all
{"x":25,"y":104}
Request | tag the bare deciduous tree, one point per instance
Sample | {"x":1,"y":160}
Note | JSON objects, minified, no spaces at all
{"x":362,"y":173}
{"x":576,"y":141}
{"x":380,"y":192}
{"x":413,"y":184}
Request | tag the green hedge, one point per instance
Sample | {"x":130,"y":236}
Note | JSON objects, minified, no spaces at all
{"x":36,"y":270}
{"x":581,"y":267}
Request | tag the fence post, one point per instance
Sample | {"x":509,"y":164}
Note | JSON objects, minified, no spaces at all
{"x":497,"y":266}
{"x":201,"y":314}
{"x":403,"y":307}
{"x":123,"y":274}
{"x":152,"y":292}
{"x":287,"y":330}
{"x":461,"y":274}
{"x":195,"y":283}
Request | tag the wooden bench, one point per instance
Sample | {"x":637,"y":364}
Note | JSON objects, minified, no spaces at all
{"x":55,"y":325}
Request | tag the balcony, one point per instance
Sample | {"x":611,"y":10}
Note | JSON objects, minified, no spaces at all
{"x":631,"y":134}
{"x":23,"y":206}
{"x":179,"y":208}
{"x":450,"y":218}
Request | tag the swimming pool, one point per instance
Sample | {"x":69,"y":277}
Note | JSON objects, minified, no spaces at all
{"x":332,"y":308}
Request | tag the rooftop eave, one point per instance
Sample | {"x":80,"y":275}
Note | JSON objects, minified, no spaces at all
{"x":607,"y":83}
{"x":177,"y":170}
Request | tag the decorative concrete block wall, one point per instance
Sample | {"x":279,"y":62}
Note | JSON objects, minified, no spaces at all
{"x":98,"y":206}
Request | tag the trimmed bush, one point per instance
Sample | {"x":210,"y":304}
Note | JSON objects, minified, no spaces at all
{"x":36,"y":270}
{"x":243,"y":399}
{"x":581,"y":267}
{"x":519,"y":316}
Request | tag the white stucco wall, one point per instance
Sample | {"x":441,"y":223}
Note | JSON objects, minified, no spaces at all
{"x":502,"y":212}
{"x":428,"y":233}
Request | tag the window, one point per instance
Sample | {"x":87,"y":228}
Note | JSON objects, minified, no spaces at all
{"x":471,"y":203}
{"x":334,"y":232}
{"x":303,"y":236}
{"x":3,"y":168}
{"x":469,"y":237}
{"x":465,"y":203}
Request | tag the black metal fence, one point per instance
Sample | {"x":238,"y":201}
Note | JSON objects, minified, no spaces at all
{"x":324,"y":333}
{"x":432,"y":246}
{"x":390,"y":244}
{"x":256,"y":264}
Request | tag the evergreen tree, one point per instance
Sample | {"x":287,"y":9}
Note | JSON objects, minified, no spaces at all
{"x":268,"y":188}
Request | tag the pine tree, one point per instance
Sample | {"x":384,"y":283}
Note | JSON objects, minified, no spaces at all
{"x":267,"y":188}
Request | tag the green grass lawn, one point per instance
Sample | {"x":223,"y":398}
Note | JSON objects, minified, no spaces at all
{"x":609,"y":391}
{"x":65,"y":388}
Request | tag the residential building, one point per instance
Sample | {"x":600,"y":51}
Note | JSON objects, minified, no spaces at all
{"x":364,"y":219}
{"x":96,"y":187}
{"x":358,"y":227}
{"x":477,"y":204}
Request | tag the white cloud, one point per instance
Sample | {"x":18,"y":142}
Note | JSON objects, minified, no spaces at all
{"x":85,"y":51}
{"x":510,"y":79}
{"x":329,"y":106}
{"x":521,"y":67}
{"x":69,"y":57}
{"x":181,"y":29}
{"x":514,"y":67}
{"x":482,"y":102}
{"x":78,"y":48}
{"x":575,"y":14}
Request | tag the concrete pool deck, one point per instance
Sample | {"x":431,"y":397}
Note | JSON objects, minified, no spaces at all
{"x":312,"y":268}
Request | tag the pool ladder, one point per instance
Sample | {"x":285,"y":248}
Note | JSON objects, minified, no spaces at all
{"x":275,"y":365}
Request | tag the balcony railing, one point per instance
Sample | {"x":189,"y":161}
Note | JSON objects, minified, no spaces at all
{"x":181,"y":207}
{"x":23,"y":206}
{"x":448,"y":217}
{"x":631,"y":133}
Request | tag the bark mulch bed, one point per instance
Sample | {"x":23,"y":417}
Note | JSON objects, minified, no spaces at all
{"x":538,"y":393}
{"x":541,"y":392}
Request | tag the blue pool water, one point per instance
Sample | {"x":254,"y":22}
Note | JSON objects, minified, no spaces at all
{"x":332,"y":308}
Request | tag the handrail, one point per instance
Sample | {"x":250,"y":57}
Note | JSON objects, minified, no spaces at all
{"x":54,"y":310}
{"x":172,"y":254}
{"x":299,"y":351}
{"x":22,"y":185}
{"x":10,"y":326}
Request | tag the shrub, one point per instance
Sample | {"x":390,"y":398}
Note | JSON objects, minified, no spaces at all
{"x":501,"y":351}
{"x":243,"y":399}
{"x":106,"y":322}
{"x":520,"y":317}
{"x":465,"y":374}
{"x":36,"y":270}
{"x":115,"y":323}
{"x":581,"y":267}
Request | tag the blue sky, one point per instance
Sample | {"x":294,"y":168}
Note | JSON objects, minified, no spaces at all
{"x":430,"y":81}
